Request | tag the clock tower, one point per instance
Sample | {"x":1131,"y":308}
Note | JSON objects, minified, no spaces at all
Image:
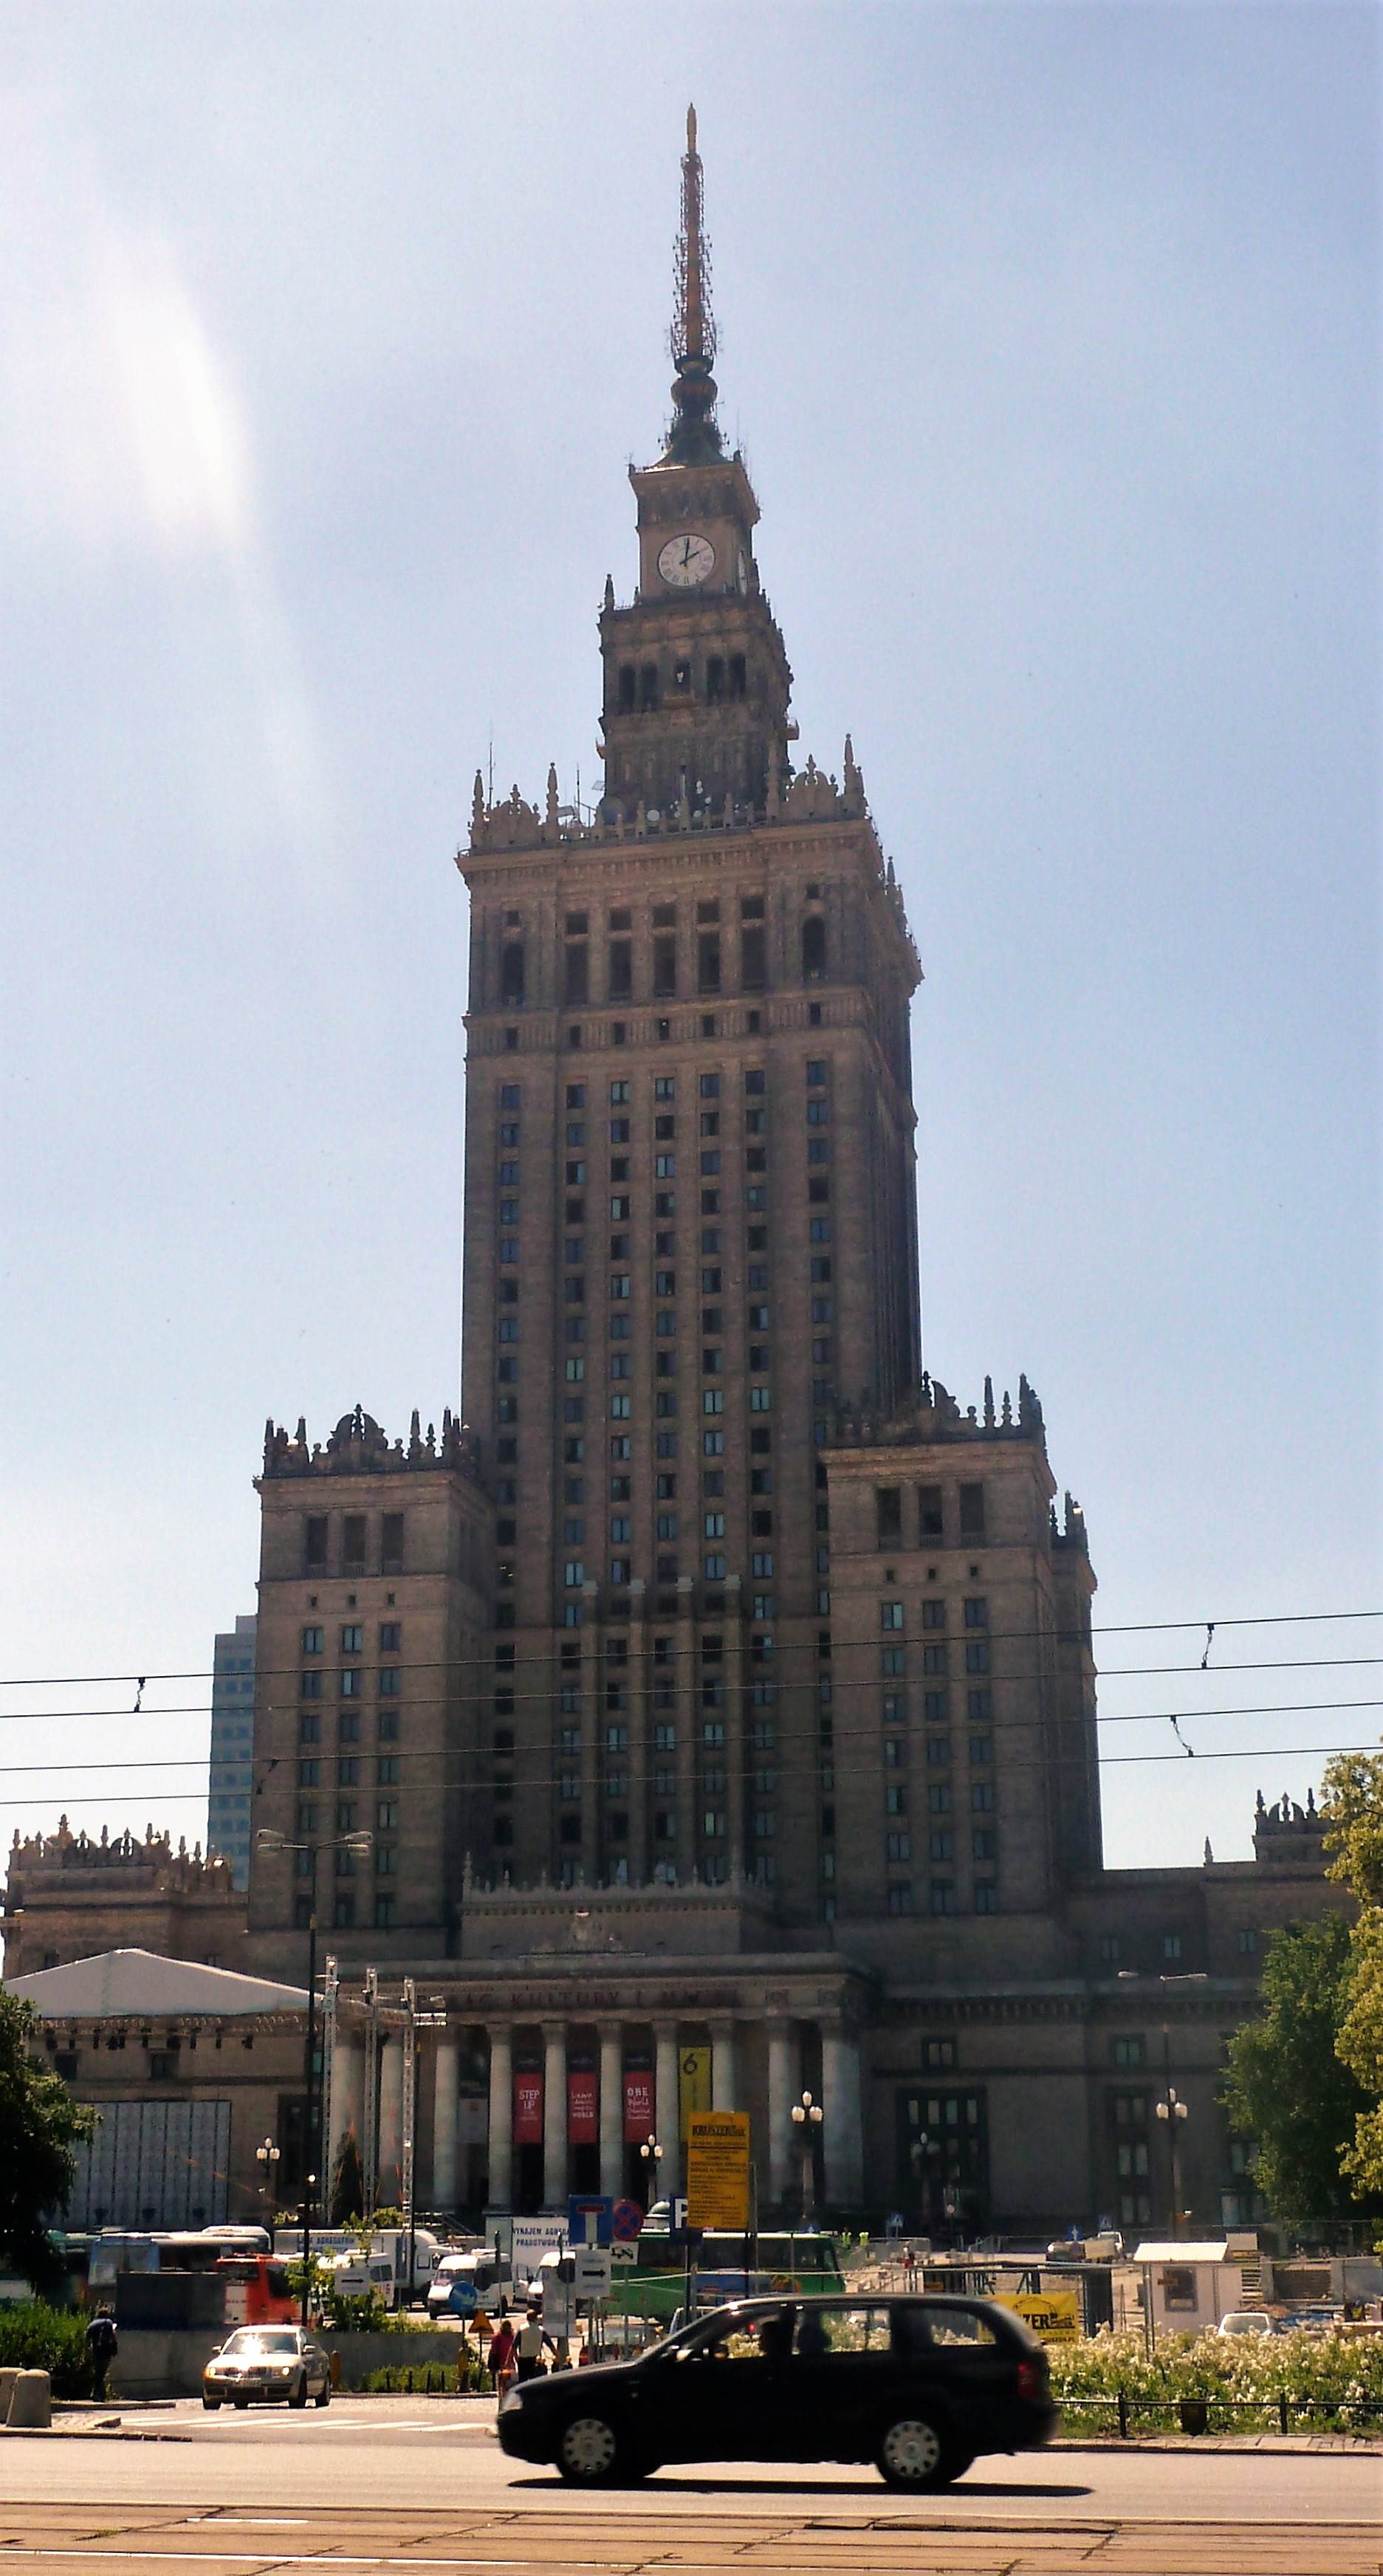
{"x":696,"y":677}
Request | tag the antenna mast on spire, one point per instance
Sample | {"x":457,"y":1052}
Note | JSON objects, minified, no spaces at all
{"x":695,"y":436}
{"x":693,"y":330}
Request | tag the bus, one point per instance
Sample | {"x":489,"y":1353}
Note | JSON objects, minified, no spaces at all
{"x":656,"y":2285}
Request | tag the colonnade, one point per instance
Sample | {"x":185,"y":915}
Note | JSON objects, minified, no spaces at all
{"x":737,"y":2050}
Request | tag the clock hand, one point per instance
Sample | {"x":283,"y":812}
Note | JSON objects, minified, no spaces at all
{"x":686,"y":550}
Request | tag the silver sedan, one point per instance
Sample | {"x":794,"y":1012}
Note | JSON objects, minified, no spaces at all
{"x":274,"y":2365}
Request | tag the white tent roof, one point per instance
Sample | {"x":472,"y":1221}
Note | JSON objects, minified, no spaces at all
{"x":1207,"y":2250}
{"x":125,"y":1984}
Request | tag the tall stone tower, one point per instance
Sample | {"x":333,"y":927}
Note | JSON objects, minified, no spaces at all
{"x":690,"y":1231}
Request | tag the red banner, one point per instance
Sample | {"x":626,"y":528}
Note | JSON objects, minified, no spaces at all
{"x":638,"y":2105}
{"x":582,"y":2128}
{"x":528,"y":2110}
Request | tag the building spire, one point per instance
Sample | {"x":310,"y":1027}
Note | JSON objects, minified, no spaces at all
{"x":694,"y":436}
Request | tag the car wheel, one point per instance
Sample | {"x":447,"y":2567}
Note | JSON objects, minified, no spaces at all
{"x":240,"y":2404}
{"x":212,"y":2404}
{"x":299,"y":2395}
{"x":590,"y":2453}
{"x":323,"y":2396}
{"x":914,"y":2454}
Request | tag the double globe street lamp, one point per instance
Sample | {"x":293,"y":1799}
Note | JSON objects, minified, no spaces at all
{"x":358,"y":1844}
{"x":1173,"y":2111}
{"x":807,"y":2117}
{"x":267,"y":2158}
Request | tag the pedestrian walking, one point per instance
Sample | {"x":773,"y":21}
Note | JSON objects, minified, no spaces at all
{"x":528,"y":2344}
{"x":500,"y":2358}
{"x":103,"y":2343}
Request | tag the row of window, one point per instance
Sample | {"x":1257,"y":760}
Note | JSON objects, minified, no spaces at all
{"x":712,"y":966}
{"x":933,"y":1512}
{"x":366,"y":1542}
{"x":353,"y":1639}
{"x":348,"y":1770}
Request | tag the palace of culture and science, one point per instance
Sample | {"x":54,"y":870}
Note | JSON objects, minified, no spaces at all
{"x":715,"y":1690}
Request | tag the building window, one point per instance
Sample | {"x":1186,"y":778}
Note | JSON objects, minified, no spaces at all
{"x":1109,"y":1948}
{"x":1129,"y":2050}
{"x":1248,"y":1943}
{"x":972,"y":1511}
{"x":890,"y":1614}
{"x":315,"y":1541}
{"x":986,"y":1896}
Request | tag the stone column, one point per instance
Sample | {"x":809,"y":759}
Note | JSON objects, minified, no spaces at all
{"x":784,"y":2061}
{"x":724,"y":2069}
{"x":554,"y":2115}
{"x":390,"y":2121}
{"x":843,"y":2123}
{"x":667,"y":2107}
{"x":611,"y":2110}
{"x":640,"y":1741}
{"x":499,"y":2187}
{"x":445,"y":2072}
{"x":740,"y":1858}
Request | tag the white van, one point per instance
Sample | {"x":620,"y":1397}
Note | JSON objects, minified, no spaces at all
{"x":357,"y":2276}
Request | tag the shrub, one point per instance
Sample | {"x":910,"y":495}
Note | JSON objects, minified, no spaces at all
{"x":1330,"y":2382}
{"x":34,"y":2336}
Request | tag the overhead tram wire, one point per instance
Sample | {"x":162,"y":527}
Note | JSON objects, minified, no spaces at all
{"x":1125,"y":1628}
{"x":841,"y":1684}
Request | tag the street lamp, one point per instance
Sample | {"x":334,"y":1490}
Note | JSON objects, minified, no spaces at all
{"x":1173,"y":2110}
{"x":807,"y":2117}
{"x":652,"y":2155}
{"x":266,"y":2157}
{"x":267,"y":1840}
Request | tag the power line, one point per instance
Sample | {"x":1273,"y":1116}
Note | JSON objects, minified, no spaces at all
{"x":1127,"y":1628}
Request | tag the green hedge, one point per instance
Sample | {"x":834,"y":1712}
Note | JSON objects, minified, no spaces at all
{"x":1330,"y":2383}
{"x":428,"y":2379}
{"x":34,"y":2336}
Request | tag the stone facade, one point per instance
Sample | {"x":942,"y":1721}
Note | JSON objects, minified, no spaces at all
{"x":69,"y":1895}
{"x":722,"y":1697}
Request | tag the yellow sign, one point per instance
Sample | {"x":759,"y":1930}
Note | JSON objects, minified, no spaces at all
{"x":718,"y":2170}
{"x":1055,"y":2318}
{"x":693,"y":2086}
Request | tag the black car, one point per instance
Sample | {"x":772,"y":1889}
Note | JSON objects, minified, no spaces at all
{"x":919,"y":2386}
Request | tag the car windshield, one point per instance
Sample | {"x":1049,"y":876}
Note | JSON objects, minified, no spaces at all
{"x":257,"y":2339}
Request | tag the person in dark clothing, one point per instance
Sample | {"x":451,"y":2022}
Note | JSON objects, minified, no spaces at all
{"x":775,"y":2335}
{"x":102,"y":2343}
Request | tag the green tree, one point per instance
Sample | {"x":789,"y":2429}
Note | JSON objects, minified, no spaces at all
{"x":1352,"y":1807}
{"x":347,"y":2183}
{"x":40,"y":2129}
{"x":1287,"y":2087}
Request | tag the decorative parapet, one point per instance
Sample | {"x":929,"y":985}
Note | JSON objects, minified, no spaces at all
{"x":358,"y":1447}
{"x":41,"y":1860}
{"x":931,"y":1414}
{"x":1286,"y":1836}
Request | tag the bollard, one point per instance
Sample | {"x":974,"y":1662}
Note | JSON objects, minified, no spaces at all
{"x":8,"y":2377}
{"x":1123,"y":2415}
{"x":31,"y":2402}
{"x":336,"y":2369}
{"x":1282,"y":2409}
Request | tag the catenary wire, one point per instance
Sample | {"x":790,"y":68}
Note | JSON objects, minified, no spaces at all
{"x":1127,"y":1628}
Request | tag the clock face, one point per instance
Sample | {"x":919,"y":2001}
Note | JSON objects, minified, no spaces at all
{"x":684,"y":561}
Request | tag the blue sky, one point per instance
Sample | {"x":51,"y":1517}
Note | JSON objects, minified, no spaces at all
{"x":326,"y":334}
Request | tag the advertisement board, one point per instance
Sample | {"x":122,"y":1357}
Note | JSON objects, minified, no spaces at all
{"x":693,"y":2086}
{"x":528,"y":2109}
{"x":582,"y":2127}
{"x":1053,"y":2315}
{"x":718,"y":2170}
{"x":638,"y":2105}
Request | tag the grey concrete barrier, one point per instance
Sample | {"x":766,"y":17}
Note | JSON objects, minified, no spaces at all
{"x":31,"y":2402}
{"x":7,"y":2380}
{"x":170,"y":2363}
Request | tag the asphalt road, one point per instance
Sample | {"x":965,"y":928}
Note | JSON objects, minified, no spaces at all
{"x":384,"y":2483}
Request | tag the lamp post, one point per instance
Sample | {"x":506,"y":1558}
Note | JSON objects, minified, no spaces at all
{"x":267,"y":1840}
{"x":652,"y":2155}
{"x":1173,"y":2111}
{"x":807,"y":2117}
{"x":267,"y":2157}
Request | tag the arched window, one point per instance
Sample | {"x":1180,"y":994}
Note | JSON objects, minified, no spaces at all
{"x":511,"y":974}
{"x":813,"y":949}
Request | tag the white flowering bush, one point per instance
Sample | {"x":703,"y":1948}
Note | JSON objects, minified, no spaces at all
{"x":1331,"y":2382}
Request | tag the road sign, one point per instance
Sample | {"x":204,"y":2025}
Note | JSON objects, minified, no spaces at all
{"x":591,"y":2271}
{"x":588,"y":2221}
{"x":718,"y":2170}
{"x":679,"y":2213}
{"x":626,"y":2219}
{"x":1055,"y":2317}
{"x":625,"y":2250}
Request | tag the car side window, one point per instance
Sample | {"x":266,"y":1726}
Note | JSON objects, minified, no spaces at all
{"x":825,"y":2332}
{"x":959,"y":2326}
